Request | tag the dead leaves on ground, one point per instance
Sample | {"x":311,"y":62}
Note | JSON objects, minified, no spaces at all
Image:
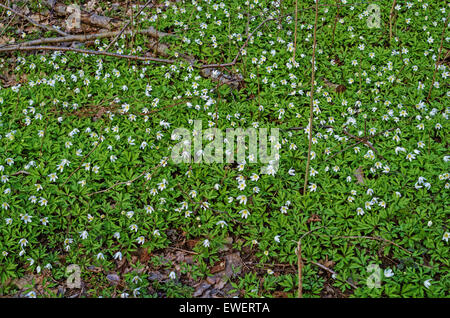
{"x":8,"y":80}
{"x":359,"y":175}
{"x":314,"y":218}
{"x":338,"y":88}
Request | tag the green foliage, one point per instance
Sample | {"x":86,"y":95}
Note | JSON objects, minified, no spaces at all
{"x":85,"y":146}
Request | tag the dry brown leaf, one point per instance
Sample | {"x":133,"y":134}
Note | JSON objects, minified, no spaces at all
{"x":359,"y":174}
{"x":314,"y":218}
{"x":5,"y":40}
{"x":218,"y":267}
{"x":327,"y":263}
{"x":279,"y":294}
{"x":336,"y":87}
{"x":191,"y":243}
{"x":143,"y":255}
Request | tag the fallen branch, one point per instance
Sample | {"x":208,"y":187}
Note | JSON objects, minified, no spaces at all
{"x":235,"y":81}
{"x":58,"y":48}
{"x":345,"y":149}
{"x":329,"y":270}
{"x":300,"y":259}
{"x":89,"y":37}
{"x":181,"y":250}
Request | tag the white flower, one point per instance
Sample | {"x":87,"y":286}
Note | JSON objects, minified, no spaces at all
{"x":26,"y":218}
{"x":242,"y":199}
{"x":140,"y":240}
{"x":206,"y":243}
{"x":427,"y":283}
{"x":244,"y":213}
{"x":222,"y":223}
{"x":172,"y":275}
{"x":446,"y":236}
{"x":388,"y":272}
{"x":312,"y":187}
{"x":53,"y":177}
{"x":23,"y":242}
{"x":31,"y":294}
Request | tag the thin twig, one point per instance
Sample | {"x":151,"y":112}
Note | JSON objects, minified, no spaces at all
{"x":299,"y":269}
{"x":391,"y":19}
{"x":129,"y":182}
{"x":329,"y":270}
{"x":440,"y":51}
{"x":20,"y":172}
{"x":82,"y":161}
{"x":365,"y":141}
{"x":345,"y":149}
{"x":312,"y":98}
{"x":126,"y":25}
{"x":295,"y":30}
{"x":335,"y":23}
{"x":361,"y":140}
{"x":300,"y":260}
{"x":234,"y":61}
{"x":50,"y":28}
{"x":182,"y":250}
{"x":10,"y":21}
{"x":373,"y":238}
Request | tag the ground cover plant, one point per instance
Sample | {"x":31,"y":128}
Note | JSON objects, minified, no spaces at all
{"x":92,"y":204}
